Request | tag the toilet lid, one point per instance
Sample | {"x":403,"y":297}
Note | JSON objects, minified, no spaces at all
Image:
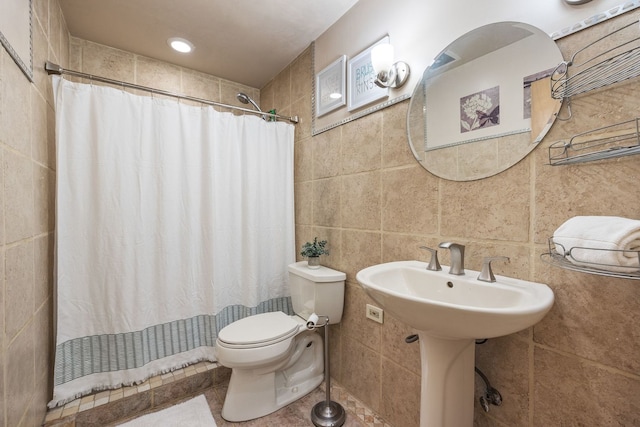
{"x":259,"y":329}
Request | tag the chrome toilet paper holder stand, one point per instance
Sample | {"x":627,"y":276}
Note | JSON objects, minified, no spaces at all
{"x":326,"y":413}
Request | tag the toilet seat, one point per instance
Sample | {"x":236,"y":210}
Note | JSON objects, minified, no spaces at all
{"x":259,"y":330}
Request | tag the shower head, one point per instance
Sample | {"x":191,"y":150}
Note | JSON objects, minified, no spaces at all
{"x":246,"y":99}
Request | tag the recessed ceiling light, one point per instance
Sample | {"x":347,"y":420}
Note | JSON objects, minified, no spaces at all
{"x":180,"y":44}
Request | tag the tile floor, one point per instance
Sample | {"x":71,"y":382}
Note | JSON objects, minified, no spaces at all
{"x":201,"y":378}
{"x":298,"y":414}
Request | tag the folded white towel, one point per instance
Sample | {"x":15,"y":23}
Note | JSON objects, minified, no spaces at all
{"x":613,"y":242}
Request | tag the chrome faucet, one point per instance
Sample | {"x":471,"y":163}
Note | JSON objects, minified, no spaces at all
{"x":434,"y":265}
{"x":486,"y":275}
{"x":457,"y":257}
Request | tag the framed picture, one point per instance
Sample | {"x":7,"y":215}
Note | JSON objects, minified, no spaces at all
{"x":15,"y":33}
{"x":330,"y":87}
{"x":362,"y":89}
{"x":480,"y":110}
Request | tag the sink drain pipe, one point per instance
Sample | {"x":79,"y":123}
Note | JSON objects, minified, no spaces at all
{"x":491,"y":395}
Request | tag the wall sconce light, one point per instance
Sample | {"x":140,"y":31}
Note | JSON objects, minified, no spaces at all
{"x":388,"y":73}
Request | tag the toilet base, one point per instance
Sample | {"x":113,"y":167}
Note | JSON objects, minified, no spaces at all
{"x":251,"y":396}
{"x":254,"y":393}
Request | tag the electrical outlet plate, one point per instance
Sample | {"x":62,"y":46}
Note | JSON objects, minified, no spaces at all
{"x":375,"y":313}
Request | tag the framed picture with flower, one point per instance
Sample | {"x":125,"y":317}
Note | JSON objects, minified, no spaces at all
{"x":480,"y":110}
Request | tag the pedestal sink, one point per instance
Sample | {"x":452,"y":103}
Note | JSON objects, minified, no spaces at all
{"x":450,"y":312}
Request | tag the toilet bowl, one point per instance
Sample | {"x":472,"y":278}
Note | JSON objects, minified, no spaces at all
{"x":274,"y":358}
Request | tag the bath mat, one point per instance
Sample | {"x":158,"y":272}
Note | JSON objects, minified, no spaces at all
{"x":192,"y":413}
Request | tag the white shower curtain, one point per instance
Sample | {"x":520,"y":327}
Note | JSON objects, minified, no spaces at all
{"x":171,"y":222}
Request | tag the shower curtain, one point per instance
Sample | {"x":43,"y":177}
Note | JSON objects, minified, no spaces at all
{"x":171,"y":222}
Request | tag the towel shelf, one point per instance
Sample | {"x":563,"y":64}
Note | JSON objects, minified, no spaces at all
{"x":598,"y":64}
{"x":556,"y":259}
{"x":617,"y":140}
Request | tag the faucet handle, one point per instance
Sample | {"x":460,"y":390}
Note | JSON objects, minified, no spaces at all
{"x":486,"y":275}
{"x":434,"y":265}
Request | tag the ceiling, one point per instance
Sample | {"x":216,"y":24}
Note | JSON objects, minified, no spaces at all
{"x":246,"y":41}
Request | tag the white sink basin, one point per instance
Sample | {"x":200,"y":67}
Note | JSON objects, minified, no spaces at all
{"x":449,"y":306}
{"x":450,"y":312}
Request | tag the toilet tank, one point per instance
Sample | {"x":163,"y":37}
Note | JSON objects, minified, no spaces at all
{"x":319,"y":291}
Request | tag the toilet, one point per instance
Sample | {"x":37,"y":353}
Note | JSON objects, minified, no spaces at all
{"x":274,"y":358}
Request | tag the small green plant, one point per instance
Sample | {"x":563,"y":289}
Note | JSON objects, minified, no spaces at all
{"x":314,"y":249}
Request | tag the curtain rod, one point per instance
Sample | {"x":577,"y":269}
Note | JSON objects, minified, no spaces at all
{"x":52,"y":68}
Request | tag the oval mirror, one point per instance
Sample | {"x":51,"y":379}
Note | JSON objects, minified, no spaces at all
{"x":485,"y":101}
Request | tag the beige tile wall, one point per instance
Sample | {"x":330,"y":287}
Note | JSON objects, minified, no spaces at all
{"x":359,"y":187}
{"x":27,"y":155}
{"x":101,"y":60}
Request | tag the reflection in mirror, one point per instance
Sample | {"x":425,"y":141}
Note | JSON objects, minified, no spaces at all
{"x":485,"y":101}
